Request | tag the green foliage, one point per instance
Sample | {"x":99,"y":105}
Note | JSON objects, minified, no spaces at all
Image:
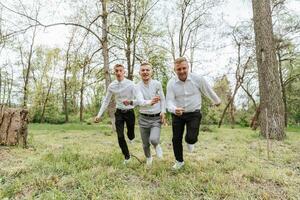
{"x":293,"y":91}
{"x":243,"y":117}
{"x":211,"y":115}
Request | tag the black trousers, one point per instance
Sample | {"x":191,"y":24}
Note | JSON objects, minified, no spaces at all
{"x":122,"y":117}
{"x":192,"y":122}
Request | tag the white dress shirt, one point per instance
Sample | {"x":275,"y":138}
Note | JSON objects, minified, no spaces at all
{"x":148,"y":91}
{"x":187,"y":94}
{"x":122,"y":90}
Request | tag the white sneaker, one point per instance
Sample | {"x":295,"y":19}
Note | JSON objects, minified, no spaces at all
{"x":190,"y":147}
{"x":149,"y":161}
{"x":126,"y":161}
{"x":178,"y":165}
{"x":159,"y":152}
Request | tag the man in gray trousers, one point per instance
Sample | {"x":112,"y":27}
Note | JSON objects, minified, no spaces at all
{"x":152,"y":115}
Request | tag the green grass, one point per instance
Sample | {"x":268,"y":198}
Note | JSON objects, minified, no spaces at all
{"x":79,"y":161}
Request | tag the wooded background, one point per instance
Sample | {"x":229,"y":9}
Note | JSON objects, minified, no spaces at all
{"x":67,"y":83}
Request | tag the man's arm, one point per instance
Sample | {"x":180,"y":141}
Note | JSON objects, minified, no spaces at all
{"x":207,"y":90}
{"x":105,"y":103}
{"x":170,"y":98}
{"x":139,"y":98}
{"x":162,"y":105}
{"x":162,"y":99}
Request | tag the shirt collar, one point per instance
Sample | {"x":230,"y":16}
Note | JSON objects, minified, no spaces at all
{"x":122,"y":81}
{"x":188,"y":78}
{"x":149,"y":82}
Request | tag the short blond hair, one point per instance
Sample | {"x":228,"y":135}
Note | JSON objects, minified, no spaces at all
{"x":119,"y":65}
{"x":145,"y":63}
{"x":180,"y":60}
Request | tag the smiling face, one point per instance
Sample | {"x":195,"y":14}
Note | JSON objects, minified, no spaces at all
{"x":119,"y":72}
{"x":146,"y":72}
{"x":181,"y":69}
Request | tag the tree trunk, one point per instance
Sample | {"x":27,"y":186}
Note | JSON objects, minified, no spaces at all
{"x":10,"y":85}
{"x":82,"y":89}
{"x":127,"y":18}
{"x":105,"y":54}
{"x":13,"y":126}
{"x":46,"y":100}
{"x":65,"y":100}
{"x":28,"y":68}
{"x":232,"y":119}
{"x":282,"y":89}
{"x":255,"y":119}
{"x":65,"y":82}
{"x":271,"y":102}
{"x":1,"y":86}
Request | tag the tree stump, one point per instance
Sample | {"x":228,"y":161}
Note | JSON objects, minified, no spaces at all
{"x":13,"y":126}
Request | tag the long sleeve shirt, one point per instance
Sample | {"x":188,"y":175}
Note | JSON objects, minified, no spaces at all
{"x":122,"y":90}
{"x":187,"y":94}
{"x":148,"y":91}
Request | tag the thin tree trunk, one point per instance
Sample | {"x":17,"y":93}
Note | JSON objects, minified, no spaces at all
{"x":282,"y":89}
{"x":127,"y":18}
{"x":250,"y":96}
{"x":11,"y":81}
{"x":0,"y":86}
{"x":26,"y":78}
{"x":255,"y":119}
{"x":46,"y":101}
{"x":105,"y":54}
{"x":65,"y":82}
{"x":269,"y":85}
{"x":82,"y":89}
{"x":232,"y":120}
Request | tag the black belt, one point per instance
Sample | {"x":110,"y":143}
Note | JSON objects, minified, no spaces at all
{"x":150,"y":115}
{"x":124,"y":111}
{"x":195,"y":111}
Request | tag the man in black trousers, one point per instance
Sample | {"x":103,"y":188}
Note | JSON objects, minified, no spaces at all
{"x":184,"y":102}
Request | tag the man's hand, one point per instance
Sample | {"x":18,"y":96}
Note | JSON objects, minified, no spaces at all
{"x":179,"y":111}
{"x":127,"y":102}
{"x":97,"y":119}
{"x":155,"y":100}
{"x":218,"y":104}
{"x":163,"y":118}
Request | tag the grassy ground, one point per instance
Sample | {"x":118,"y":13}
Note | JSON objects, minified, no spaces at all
{"x":76,"y":161}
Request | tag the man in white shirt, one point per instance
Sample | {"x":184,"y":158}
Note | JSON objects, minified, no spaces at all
{"x":126,"y":97}
{"x":184,"y":102}
{"x":151,"y":116}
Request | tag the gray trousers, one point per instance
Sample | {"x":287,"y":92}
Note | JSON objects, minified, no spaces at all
{"x":150,"y":132}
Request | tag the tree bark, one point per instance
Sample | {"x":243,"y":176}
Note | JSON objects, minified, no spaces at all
{"x":1,"y":85}
{"x":127,"y":18}
{"x":282,"y":88}
{"x":85,"y":63}
{"x":272,"y":110}
{"x":65,"y":82}
{"x":13,"y":126}
{"x":105,"y":54}
{"x":46,"y":100}
{"x":255,"y":119}
{"x":27,"y":71}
